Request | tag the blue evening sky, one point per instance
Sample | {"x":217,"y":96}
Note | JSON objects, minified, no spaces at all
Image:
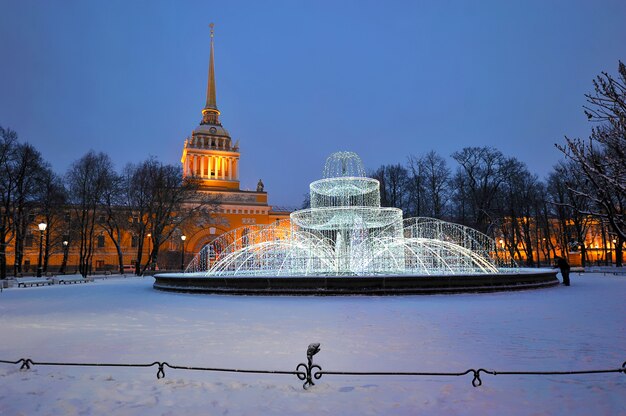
{"x":298,"y":80}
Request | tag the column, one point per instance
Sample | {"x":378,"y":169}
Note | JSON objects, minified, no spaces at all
{"x":201,"y":166}
{"x":195,"y":165}
{"x":230,"y":168}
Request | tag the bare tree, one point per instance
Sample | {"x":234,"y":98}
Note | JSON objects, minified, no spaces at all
{"x":137,"y":183}
{"x":602,"y":157}
{"x":524,"y":201}
{"x":160,"y":203}
{"x":416,"y":188}
{"x":21,"y":172}
{"x":561,"y":210}
{"x":393,"y":185}
{"x":114,"y":213}
{"x":28,"y":166}
{"x":7,"y":192}
{"x":87,"y":179}
{"x":478,"y":179}
{"x":52,"y":206}
{"x":570,"y":207}
{"x":436,"y":175}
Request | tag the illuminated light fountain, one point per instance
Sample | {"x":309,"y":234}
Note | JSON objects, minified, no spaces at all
{"x":346,"y":243}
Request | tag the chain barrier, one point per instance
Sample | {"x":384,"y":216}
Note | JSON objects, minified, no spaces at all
{"x":309,"y":371}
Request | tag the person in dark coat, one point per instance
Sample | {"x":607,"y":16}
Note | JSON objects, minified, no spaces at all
{"x":562,"y":264}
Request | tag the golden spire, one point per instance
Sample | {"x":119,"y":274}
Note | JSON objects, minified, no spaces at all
{"x":210,"y":112}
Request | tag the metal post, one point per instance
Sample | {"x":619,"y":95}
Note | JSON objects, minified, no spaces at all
{"x":42,"y":228}
{"x":182,"y":253}
{"x":65,"y":253}
{"x":150,"y":250}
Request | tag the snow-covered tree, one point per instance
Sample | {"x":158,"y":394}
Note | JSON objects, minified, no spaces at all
{"x":601,"y":158}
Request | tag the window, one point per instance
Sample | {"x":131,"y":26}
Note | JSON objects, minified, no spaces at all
{"x":100,"y":241}
{"x":134,"y":241}
{"x":28,"y":242}
{"x":31,"y":217}
{"x":99,"y":264}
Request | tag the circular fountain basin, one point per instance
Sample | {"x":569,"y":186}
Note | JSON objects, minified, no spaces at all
{"x":512,"y":279}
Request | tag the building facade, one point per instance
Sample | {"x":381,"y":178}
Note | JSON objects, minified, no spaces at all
{"x":211,"y":158}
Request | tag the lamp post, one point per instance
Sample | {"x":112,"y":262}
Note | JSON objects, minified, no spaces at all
{"x":182,"y":253}
{"x":64,"y":262}
{"x":42,"y":228}
{"x":149,"y":250}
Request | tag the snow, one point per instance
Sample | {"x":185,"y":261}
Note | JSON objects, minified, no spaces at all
{"x":117,"y":320}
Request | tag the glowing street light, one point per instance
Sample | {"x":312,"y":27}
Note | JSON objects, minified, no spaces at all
{"x":42,"y":228}
{"x":65,"y":252}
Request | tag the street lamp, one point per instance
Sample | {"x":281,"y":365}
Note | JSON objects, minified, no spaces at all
{"x":149,"y":250}
{"x":42,"y":227}
{"x":64,"y":262}
{"x":182,"y":256}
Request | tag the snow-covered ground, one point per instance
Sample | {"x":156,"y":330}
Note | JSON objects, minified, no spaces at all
{"x":126,"y":321}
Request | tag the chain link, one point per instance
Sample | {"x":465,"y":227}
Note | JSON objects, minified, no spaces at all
{"x":309,"y":371}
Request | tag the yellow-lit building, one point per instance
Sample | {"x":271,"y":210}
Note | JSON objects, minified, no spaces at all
{"x":210,"y":157}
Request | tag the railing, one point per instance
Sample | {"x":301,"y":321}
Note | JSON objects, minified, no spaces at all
{"x":308,"y":372}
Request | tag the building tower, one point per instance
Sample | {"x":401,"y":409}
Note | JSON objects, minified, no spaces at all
{"x":209,"y":154}
{"x":210,"y":158}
